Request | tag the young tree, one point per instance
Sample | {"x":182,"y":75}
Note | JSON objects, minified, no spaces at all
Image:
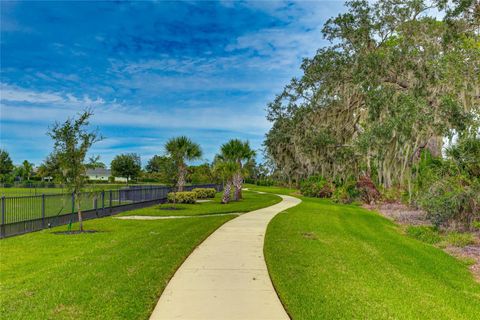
{"x":72,"y":141}
{"x":240,"y":153}
{"x":6,"y":164}
{"x":127,"y":166}
{"x":182,"y":149}
{"x":27,"y":170}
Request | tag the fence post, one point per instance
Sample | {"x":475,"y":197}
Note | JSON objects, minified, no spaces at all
{"x":110,"y":201}
{"x":73,"y":203}
{"x":103,"y":202}
{"x":43,"y":210}
{"x":3,"y":209}
{"x":95,"y":205}
{"x":2,"y":228}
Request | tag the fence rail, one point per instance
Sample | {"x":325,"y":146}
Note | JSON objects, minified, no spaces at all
{"x":22,"y":214}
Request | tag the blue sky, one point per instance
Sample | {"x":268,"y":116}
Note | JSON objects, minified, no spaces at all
{"x":150,"y":70}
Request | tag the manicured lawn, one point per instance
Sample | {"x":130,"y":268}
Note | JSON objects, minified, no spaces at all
{"x":251,"y":201}
{"x":331,"y":261}
{"x":273,"y":189}
{"x":117,"y":273}
{"x":19,"y":192}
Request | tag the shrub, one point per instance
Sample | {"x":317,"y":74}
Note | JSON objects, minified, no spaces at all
{"x":205,"y":193}
{"x":182,"y":197}
{"x":265,"y":182}
{"x":316,"y":186}
{"x":346,"y":193}
{"x":391,"y":195}
{"x":451,"y":199}
{"x":424,"y":233}
{"x":368,"y":191}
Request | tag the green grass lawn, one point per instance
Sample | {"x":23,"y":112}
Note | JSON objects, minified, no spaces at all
{"x":331,"y":261}
{"x":19,"y":192}
{"x":251,"y":201}
{"x":118,"y":273}
{"x":30,"y":207}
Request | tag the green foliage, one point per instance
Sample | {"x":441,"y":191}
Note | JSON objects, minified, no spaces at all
{"x":126,"y":165}
{"x":316,"y":186}
{"x":432,"y":235}
{"x":476,"y":225}
{"x":71,"y":144}
{"x":181,"y":149}
{"x":265,"y":182}
{"x":6,"y":164}
{"x":346,"y":193}
{"x":466,"y":154}
{"x":182,"y":197}
{"x":391,"y":195}
{"x":94,"y":163}
{"x":424,"y":233}
{"x":205,"y":193}
{"x":394,"y":84}
{"x":458,"y":239}
{"x":450,"y":198}
{"x":50,"y":168}
{"x":201,"y":174}
{"x":27,"y":170}
{"x":163,"y":169}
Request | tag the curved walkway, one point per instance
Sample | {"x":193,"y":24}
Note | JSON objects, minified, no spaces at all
{"x":226,"y":277}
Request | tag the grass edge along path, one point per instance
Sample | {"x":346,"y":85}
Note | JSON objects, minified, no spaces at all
{"x":251,"y":201}
{"x":330,"y":261}
{"x":119,"y":272}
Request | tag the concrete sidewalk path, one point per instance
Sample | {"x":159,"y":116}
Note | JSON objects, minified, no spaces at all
{"x":225,"y":277}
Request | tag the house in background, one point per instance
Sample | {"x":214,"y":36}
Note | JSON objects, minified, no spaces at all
{"x":102,"y":174}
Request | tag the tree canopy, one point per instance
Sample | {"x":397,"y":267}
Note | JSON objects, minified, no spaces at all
{"x":126,"y":165}
{"x":394,"y":81}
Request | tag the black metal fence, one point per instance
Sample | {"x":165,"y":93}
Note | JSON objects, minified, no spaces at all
{"x":31,"y":213}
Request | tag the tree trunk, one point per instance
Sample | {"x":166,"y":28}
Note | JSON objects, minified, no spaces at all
{"x":226,"y":192}
{"x":79,"y":210}
{"x":181,"y":178}
{"x":237,"y":183}
{"x":434,"y":145}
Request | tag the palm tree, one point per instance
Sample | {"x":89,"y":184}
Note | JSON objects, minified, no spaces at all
{"x":240,"y":153}
{"x":226,"y":169}
{"x":182,"y":149}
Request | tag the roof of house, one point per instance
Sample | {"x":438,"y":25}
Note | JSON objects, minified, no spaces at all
{"x":98,"y":172}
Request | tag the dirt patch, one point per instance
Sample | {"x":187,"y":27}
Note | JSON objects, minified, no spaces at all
{"x":310,"y":235}
{"x":470,"y":253}
{"x":401,"y":213}
{"x":74,"y":232}
{"x":405,"y":215}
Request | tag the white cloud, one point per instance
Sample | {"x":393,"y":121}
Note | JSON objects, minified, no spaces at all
{"x":49,"y":107}
{"x":10,"y":93}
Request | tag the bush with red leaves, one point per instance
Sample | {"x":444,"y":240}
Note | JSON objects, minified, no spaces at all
{"x":368,"y":191}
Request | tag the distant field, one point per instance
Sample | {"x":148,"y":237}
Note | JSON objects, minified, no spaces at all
{"x":18,"y":192}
